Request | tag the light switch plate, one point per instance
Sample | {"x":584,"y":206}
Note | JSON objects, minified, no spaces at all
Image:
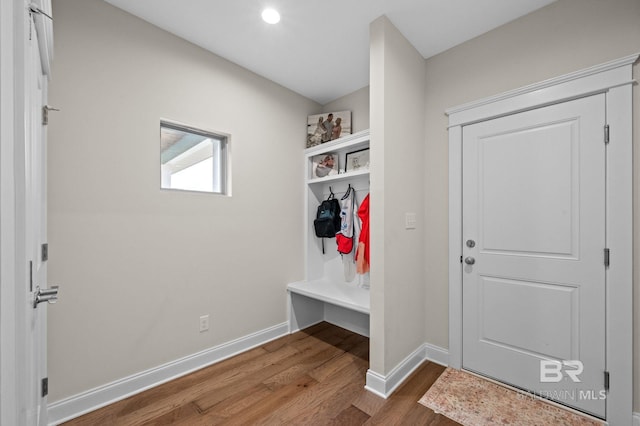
{"x":410,"y":221}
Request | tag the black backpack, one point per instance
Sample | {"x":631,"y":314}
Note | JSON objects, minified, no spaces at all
{"x":328,"y":221}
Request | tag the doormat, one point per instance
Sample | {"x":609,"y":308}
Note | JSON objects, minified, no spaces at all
{"x":472,"y":401}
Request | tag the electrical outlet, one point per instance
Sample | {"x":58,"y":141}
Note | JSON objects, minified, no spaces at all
{"x":204,"y":323}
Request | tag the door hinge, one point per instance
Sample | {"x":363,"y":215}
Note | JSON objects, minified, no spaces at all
{"x":45,"y":113}
{"x":606,"y":380}
{"x":45,"y":387}
{"x":606,"y":133}
{"x":607,"y":257}
{"x":45,"y":252}
{"x":31,"y":276}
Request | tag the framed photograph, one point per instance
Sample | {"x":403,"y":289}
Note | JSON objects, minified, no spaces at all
{"x":324,"y":165}
{"x":357,"y":160}
{"x":326,"y":127}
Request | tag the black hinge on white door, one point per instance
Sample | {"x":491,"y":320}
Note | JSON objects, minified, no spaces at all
{"x":31,"y":275}
{"x":45,"y":387}
{"x":607,"y":257}
{"x":44,"y":253}
{"x":606,"y":133}
{"x":606,"y":380}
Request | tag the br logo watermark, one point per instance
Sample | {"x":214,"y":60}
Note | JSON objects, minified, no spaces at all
{"x":555,"y":371}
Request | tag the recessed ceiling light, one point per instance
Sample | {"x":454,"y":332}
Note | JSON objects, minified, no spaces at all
{"x":271,"y":16}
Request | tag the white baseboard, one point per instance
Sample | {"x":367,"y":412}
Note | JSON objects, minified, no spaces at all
{"x":636,"y":419}
{"x":385,"y":385}
{"x":376,"y":384}
{"x":77,"y":405}
{"x":436,"y":354}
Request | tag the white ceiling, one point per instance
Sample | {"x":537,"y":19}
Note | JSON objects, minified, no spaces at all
{"x":320,"y":49}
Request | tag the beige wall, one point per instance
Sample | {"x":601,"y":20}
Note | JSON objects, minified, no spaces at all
{"x":397,"y":148}
{"x":356,"y":102}
{"x":563,"y":37}
{"x":137,"y":265}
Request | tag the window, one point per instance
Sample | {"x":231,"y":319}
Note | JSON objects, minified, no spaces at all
{"x":192,"y":159}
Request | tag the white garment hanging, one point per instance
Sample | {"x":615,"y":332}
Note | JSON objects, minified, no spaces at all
{"x":348,"y":216}
{"x":347,"y":203}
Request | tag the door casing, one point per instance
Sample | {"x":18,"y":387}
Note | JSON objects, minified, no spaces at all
{"x":615,"y":80}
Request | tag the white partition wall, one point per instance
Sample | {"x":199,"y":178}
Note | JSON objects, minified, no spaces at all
{"x":397,"y":82}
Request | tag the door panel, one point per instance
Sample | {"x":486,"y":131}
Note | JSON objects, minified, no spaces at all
{"x":551,"y":335}
{"x":534,"y":204}
{"x":528,"y":190}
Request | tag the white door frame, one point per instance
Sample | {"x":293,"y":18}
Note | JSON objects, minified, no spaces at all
{"x":615,"y":79}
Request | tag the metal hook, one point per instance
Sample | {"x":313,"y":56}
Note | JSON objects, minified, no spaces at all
{"x":346,"y":194}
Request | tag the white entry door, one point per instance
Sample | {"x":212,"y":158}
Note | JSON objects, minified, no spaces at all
{"x":533,"y":244}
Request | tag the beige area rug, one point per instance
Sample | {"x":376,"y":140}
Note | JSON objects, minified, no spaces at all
{"x":473,"y":401}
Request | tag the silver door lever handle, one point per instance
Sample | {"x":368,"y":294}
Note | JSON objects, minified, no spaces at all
{"x":469,"y":260}
{"x":47,"y":295}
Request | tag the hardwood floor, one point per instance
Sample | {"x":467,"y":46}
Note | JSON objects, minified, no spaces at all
{"x":312,"y":377}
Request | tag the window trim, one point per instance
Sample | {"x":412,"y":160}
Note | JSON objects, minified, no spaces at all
{"x":225,"y":154}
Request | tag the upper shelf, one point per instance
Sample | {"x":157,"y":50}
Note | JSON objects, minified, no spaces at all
{"x":341,"y":147}
{"x":356,"y":140}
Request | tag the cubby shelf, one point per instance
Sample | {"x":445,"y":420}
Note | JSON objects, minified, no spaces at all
{"x":353,"y":142}
{"x":326,"y":294}
{"x":339,"y":177}
{"x":340,"y":147}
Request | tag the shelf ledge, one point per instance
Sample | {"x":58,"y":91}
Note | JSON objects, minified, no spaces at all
{"x":361,"y":137}
{"x":339,"y":177}
{"x":340,"y":294}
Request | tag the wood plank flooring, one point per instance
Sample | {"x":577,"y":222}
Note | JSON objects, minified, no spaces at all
{"x":312,"y":377}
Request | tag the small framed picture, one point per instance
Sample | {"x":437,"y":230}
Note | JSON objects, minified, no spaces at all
{"x":324,"y":165}
{"x":357,"y":160}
